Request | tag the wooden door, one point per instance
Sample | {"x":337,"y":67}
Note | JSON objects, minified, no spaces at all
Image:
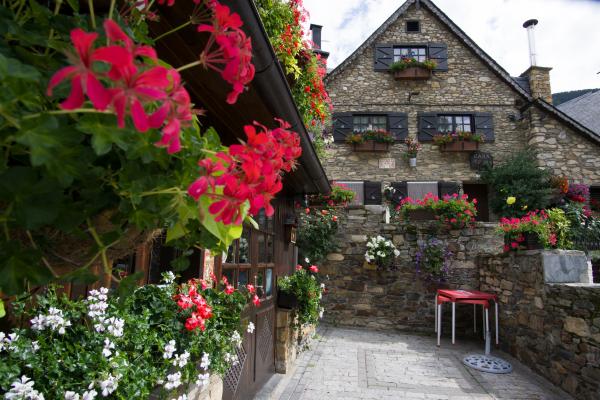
{"x":480,"y":192}
{"x":251,"y":260}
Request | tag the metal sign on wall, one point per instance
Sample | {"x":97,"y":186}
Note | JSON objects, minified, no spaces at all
{"x":480,"y":159}
{"x":387,"y":163}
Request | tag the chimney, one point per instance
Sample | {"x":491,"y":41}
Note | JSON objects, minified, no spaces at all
{"x":539,"y":77}
{"x":316,"y":39}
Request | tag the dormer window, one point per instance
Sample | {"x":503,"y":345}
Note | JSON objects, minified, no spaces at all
{"x":413,"y":26}
{"x":418,"y":53}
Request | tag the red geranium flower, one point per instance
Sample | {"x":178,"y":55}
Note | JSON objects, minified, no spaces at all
{"x":314,"y":268}
{"x":256,"y":300}
{"x":298,"y":267}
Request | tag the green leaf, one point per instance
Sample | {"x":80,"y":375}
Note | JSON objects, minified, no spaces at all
{"x":74,"y":5}
{"x":13,"y":68}
{"x":225,"y":233}
{"x":82,"y":276}
{"x":19,"y":267}
{"x":127,"y":286}
{"x":104,"y":133}
{"x":185,"y":212}
{"x":2,"y":311}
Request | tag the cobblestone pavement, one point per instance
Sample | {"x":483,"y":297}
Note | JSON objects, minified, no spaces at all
{"x":350,"y":364}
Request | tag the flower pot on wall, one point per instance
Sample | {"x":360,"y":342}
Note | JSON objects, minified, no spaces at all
{"x":370,"y":146}
{"x":289,"y":301}
{"x":460,"y":146}
{"x":412,"y":74}
{"x":421,"y":215}
{"x":412,"y":162}
{"x":532,"y":241}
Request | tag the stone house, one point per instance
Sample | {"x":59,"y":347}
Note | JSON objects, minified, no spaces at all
{"x":467,"y":91}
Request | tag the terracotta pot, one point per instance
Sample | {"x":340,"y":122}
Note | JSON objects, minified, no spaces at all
{"x":371,"y":146}
{"x":412,"y":74}
{"x":460,"y":146}
{"x":421,"y":215}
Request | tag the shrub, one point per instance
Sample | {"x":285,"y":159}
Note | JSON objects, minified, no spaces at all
{"x":316,"y":234}
{"x":303,"y":284}
{"x":521,"y":178}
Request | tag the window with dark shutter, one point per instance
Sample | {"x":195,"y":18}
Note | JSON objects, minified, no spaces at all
{"x":384,"y":56}
{"x":342,"y":126}
{"x":372,"y":192}
{"x":427,"y":128}
{"x":398,"y":125}
{"x":400,"y":192}
{"x":448,"y":188}
{"x":484,"y":125}
{"x":438,"y":52}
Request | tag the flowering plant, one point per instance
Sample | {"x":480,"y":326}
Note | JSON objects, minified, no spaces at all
{"x":411,"y":62}
{"x":433,"y":259}
{"x":305,"y":286}
{"x":453,"y":211}
{"x":380,"y":251}
{"x":451,"y":137}
{"x":378,"y":135}
{"x":119,"y":348}
{"x":412,"y":147}
{"x":578,"y":193}
{"x":340,"y":196}
{"x":515,"y":228}
{"x":316,"y":233}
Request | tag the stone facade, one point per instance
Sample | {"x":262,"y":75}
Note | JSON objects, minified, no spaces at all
{"x":396,"y":299}
{"x":553,"y":328}
{"x":470,"y":85}
{"x":290,"y":340}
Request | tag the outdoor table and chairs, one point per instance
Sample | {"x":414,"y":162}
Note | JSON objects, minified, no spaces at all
{"x":473,"y":297}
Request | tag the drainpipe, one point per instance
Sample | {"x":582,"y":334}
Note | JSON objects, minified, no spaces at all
{"x":270,"y":82}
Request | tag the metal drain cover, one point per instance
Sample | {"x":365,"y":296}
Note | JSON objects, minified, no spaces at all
{"x":489,"y":364}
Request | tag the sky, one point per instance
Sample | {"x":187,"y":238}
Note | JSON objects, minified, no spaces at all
{"x":567,"y":36}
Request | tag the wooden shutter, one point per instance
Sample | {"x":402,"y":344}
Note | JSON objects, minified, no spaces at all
{"x":401,"y":191}
{"x":398,"y":124}
{"x":427,"y":126}
{"x":484,"y":125}
{"x":372,"y":192}
{"x":448,"y":188}
{"x":342,"y":126}
{"x":384,"y":56}
{"x":438,"y":52}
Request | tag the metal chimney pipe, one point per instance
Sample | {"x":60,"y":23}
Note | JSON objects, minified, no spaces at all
{"x":530,"y":26}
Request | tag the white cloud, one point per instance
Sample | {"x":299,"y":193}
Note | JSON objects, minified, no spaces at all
{"x":567,"y":35}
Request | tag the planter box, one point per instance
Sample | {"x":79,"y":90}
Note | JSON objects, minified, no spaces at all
{"x":460,"y":146}
{"x":532,"y":241}
{"x":370,"y":145}
{"x":286,"y":300}
{"x":421,"y":215}
{"x":412,"y":74}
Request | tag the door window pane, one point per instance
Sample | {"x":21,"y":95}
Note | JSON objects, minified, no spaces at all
{"x":243,"y":277}
{"x":262,"y":249}
{"x":230,"y":275}
{"x":244,"y":250}
{"x":269,"y":281}
{"x":260,"y":283}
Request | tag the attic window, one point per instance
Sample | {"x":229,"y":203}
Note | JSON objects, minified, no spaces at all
{"x":413,"y":26}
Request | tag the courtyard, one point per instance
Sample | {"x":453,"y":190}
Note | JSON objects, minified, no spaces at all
{"x":349,"y":363}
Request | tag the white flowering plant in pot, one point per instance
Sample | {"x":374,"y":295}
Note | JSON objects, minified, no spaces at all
{"x":157,"y":341}
{"x":380,"y":251}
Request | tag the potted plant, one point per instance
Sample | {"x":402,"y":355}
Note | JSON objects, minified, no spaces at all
{"x":380,"y":252}
{"x":412,"y":149}
{"x":408,"y":68}
{"x":527,"y":232}
{"x":452,"y":211}
{"x":371,"y":140}
{"x":458,"y":141}
{"x":304,"y":293}
{"x":432,"y":260}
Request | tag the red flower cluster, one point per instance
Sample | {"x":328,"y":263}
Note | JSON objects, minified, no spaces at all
{"x":514,"y":228}
{"x":135,"y":83}
{"x":454,"y":211}
{"x":318,"y":93}
{"x":228,"y":50}
{"x":249,"y":172}
{"x":191,"y":299}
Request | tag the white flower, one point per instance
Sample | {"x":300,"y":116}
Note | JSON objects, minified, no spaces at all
{"x":38,"y":323}
{"x":321,"y":311}
{"x":97,"y":304}
{"x":396,"y":252}
{"x":23,"y":389}
{"x":54,"y":320}
{"x":205,"y":361}
{"x":322,"y":286}
{"x":231,"y":359}
{"x":69,"y":395}
{"x":251,"y":327}
{"x":182,"y":397}
{"x":236,"y":338}
{"x":2,"y":341}
{"x":203,"y":379}
{"x":168,"y":277}
{"x":89,"y":395}
{"x":35,"y":346}
{"x":173,"y":381}
{"x":169,"y":350}
{"x":115,"y":326}
{"x":307,"y":260}
{"x":109,"y":385}
{"x":108,"y":345}
{"x":181,"y":360}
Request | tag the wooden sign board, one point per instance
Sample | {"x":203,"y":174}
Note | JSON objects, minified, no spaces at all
{"x":480,"y":159}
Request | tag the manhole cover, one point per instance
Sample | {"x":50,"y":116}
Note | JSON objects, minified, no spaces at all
{"x":489,"y":364}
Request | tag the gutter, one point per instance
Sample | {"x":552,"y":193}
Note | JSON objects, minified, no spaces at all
{"x":271,"y":84}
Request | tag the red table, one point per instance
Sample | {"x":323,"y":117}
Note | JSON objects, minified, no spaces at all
{"x":474,"y":297}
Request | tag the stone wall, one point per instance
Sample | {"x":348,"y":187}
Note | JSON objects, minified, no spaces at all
{"x":552,"y":328}
{"x":396,"y":299}
{"x":289,"y":340}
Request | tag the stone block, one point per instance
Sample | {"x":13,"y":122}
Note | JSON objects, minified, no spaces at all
{"x":562,"y":266}
{"x":358,"y":238}
{"x":335,"y":257}
{"x":578,"y":326}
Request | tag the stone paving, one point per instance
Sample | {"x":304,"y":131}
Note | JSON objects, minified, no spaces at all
{"x":346,"y":363}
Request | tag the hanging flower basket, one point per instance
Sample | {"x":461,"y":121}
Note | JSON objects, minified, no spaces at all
{"x":412,"y":74}
{"x":460,"y":146}
{"x":370,"y":146}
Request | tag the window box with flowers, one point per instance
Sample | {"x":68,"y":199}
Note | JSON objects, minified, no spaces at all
{"x":458,"y":141}
{"x":370,"y":141}
{"x":409,"y":69}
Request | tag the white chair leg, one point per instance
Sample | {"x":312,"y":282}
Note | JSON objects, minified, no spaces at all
{"x":439,"y":323}
{"x":453,"y":320}
{"x":496,"y":307}
{"x":483,"y":321}
{"x":435,"y":322}
{"x":487,"y":321}
{"x":474,"y":317}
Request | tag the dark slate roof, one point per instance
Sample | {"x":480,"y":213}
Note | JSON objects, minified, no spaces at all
{"x":572,"y":122}
{"x":501,"y":72}
{"x":585,"y":110}
{"x":523,"y":81}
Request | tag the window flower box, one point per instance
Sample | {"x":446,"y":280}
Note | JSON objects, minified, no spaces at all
{"x":460,"y":146}
{"x":412,"y":74}
{"x":371,"y":140}
{"x":421,"y":215}
{"x":458,"y":141}
{"x":371,"y":145}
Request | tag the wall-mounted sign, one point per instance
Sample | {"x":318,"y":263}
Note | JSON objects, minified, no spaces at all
{"x":387,"y":163}
{"x":480,"y":159}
